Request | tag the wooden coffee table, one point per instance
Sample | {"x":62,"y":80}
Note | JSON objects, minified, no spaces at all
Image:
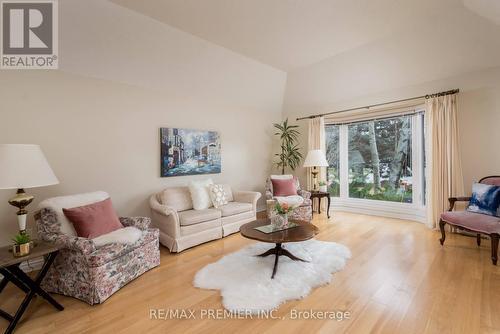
{"x":304,"y":231}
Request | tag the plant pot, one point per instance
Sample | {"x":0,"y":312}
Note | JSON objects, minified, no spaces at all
{"x":323,"y":188}
{"x":21,"y":250}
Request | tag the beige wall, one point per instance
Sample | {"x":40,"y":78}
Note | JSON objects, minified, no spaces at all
{"x":480,"y":136}
{"x":98,"y":118}
{"x":479,"y":112}
{"x":99,"y":135}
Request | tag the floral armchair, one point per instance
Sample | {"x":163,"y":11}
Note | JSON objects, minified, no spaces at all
{"x":90,"y":273}
{"x":474,"y":222}
{"x":304,"y":211}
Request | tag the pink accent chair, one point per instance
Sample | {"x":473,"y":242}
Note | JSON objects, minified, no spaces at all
{"x":474,"y":222}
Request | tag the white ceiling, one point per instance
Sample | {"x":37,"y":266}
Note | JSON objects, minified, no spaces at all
{"x":291,"y":34}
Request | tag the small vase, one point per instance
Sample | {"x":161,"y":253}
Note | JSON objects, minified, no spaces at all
{"x":284,"y":219}
{"x":279,"y":222}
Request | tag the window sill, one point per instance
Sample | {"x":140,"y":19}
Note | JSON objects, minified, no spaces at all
{"x":408,"y":211}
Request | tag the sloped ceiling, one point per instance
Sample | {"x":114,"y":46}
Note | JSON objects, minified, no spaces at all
{"x":293,"y":34}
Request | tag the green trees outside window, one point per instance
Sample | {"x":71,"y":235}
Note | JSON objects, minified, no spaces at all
{"x":379,"y":159}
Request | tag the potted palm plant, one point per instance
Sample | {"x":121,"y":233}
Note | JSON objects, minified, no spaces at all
{"x":289,"y":156}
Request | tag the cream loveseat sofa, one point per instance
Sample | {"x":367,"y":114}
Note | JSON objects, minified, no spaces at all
{"x":183,"y":227}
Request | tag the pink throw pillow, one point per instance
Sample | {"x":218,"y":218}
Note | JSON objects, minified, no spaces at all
{"x":284,"y":187}
{"x":93,"y":220}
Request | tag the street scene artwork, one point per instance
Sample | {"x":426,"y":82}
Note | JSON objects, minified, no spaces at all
{"x":189,"y":152}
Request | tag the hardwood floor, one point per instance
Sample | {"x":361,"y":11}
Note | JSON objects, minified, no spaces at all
{"x":399,"y":280}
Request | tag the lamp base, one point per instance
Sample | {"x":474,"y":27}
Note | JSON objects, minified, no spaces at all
{"x":21,"y":201}
{"x":314,"y":173}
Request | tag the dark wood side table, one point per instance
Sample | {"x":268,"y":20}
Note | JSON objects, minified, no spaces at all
{"x":9,"y":268}
{"x":304,"y":231}
{"x":319,"y":195}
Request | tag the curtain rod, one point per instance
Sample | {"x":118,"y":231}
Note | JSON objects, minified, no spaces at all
{"x":428,"y":96}
{"x":415,"y":112}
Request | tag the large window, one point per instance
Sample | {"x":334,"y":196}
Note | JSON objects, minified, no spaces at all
{"x":377,"y":160}
{"x":380,"y":160}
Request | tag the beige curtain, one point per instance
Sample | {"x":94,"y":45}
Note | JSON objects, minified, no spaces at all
{"x":444,"y":171}
{"x":316,"y":141}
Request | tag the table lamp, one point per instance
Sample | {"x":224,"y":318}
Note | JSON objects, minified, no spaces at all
{"x":23,"y":166}
{"x":314,"y":159}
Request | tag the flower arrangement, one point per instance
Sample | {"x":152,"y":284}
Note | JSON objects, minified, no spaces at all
{"x":322,"y":183}
{"x":283,"y":208}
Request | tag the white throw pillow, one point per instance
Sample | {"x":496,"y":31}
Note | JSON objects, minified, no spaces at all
{"x":293,"y":201}
{"x":218,"y":195}
{"x":128,"y":235}
{"x":200,"y":194}
{"x":282,"y":177}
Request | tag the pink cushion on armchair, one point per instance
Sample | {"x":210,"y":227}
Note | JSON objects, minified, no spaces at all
{"x":93,"y":220}
{"x":284,"y":187}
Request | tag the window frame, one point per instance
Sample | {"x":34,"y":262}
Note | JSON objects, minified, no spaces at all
{"x":413,"y":211}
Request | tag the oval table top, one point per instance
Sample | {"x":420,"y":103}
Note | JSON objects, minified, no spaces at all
{"x":304,"y":231}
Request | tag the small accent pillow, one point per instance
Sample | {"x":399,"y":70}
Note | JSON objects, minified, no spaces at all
{"x":485,"y":199}
{"x":200,"y":194}
{"x":93,"y":220}
{"x":218,"y":195}
{"x":278,"y":177}
{"x":284,"y":187}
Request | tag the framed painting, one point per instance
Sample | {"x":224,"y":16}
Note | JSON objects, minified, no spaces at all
{"x":189,"y":152}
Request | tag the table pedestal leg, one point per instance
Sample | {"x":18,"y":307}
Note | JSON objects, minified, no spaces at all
{"x":279,"y":251}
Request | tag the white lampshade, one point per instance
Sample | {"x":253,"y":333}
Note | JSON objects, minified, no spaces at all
{"x":24,"y":166}
{"x":315,"y":158}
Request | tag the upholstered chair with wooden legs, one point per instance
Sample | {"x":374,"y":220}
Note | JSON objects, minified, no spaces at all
{"x":474,"y":222}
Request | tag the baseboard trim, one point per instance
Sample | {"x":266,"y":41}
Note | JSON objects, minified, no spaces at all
{"x":380,"y":213}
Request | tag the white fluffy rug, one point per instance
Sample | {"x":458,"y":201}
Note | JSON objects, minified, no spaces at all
{"x":245,"y":280}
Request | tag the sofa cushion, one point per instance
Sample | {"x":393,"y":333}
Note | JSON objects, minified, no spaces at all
{"x":244,"y":216}
{"x":57,"y":204}
{"x":178,"y":198}
{"x":233,"y":208}
{"x":473,"y":221}
{"x":191,"y":217}
{"x":199,"y":228}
